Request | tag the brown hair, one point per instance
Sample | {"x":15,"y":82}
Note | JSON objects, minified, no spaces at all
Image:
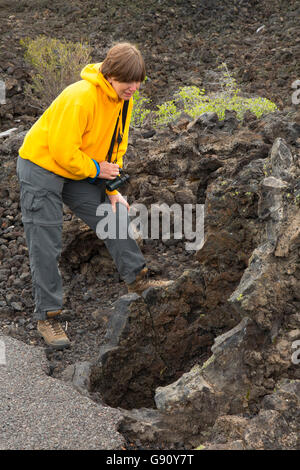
{"x":124,"y":63}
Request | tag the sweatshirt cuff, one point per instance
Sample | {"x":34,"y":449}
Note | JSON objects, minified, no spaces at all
{"x":98,"y":171}
{"x":111,"y":193}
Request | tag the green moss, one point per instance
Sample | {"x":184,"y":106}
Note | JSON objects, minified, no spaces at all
{"x":208,"y":362}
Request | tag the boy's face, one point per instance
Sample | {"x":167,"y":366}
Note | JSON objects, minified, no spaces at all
{"x":124,"y":90}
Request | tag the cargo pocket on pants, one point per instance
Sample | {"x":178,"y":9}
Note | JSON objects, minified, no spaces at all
{"x":41,"y":207}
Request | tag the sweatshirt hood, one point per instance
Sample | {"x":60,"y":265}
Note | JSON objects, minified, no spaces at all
{"x":91,"y":73}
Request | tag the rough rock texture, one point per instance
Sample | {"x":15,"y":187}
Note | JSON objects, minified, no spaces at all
{"x":149,"y":339}
{"x":258,"y":41}
{"x":237,"y":298}
{"x":249,"y":359}
{"x":275,"y":427}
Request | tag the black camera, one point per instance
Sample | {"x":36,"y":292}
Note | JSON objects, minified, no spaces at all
{"x":114,"y":184}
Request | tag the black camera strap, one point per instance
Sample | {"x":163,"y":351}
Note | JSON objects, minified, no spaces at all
{"x":120,"y":137}
{"x":102,"y":182}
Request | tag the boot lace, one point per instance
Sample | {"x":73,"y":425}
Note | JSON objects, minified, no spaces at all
{"x":55,"y":327}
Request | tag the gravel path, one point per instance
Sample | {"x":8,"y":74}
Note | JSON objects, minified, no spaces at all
{"x":40,"y":412}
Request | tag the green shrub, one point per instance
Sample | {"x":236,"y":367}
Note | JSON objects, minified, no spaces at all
{"x":139,"y":112}
{"x":194,"y":102}
{"x":192,"y":99}
{"x":56,"y":64}
{"x":166,"y":113}
{"x":240,"y":105}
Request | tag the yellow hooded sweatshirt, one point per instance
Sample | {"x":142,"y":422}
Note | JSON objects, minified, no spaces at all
{"x":77,"y":128}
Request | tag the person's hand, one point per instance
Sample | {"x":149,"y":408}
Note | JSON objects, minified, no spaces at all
{"x":114,"y":198}
{"x":108,"y":170}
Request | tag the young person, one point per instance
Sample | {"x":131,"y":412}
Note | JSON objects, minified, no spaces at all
{"x":62,"y":157}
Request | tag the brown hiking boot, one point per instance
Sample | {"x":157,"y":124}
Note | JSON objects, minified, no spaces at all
{"x":53,"y":334}
{"x":141,"y":283}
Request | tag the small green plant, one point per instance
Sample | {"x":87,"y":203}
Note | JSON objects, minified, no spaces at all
{"x":247,"y":396}
{"x":195,"y":102}
{"x":192,"y":98}
{"x":227,"y":81}
{"x":56,"y":64}
{"x":207,"y":362}
{"x":222,"y":102}
{"x":139,"y":111}
{"x":166,"y":113}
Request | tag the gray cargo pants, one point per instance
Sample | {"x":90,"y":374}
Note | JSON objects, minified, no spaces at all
{"x":42,"y":194}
